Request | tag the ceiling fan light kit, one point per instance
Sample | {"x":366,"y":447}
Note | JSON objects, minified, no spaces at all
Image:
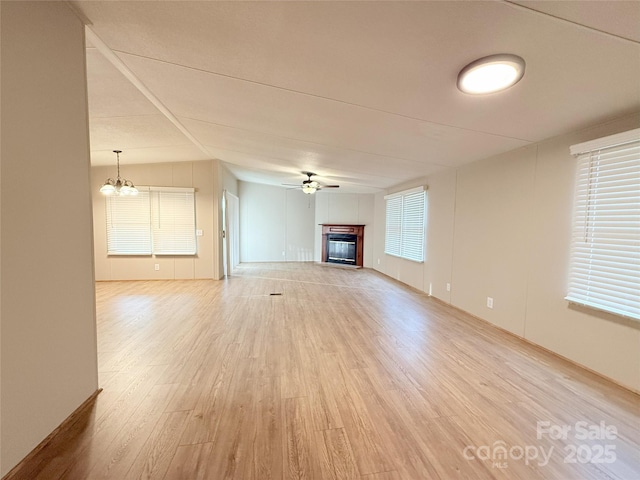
{"x":491,"y":74}
{"x":311,"y":186}
{"x":119,"y":186}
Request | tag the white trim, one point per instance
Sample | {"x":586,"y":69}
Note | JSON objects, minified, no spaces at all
{"x":172,"y":189}
{"x":597,"y":306}
{"x":406,"y":192}
{"x":606,"y":142}
{"x":150,"y":188}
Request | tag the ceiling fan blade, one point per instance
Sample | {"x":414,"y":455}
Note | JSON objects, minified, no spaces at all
{"x":308,"y":185}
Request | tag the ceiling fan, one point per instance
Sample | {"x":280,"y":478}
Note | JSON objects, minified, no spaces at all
{"x":310,"y":186}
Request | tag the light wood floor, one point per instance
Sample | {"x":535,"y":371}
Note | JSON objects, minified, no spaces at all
{"x":346,"y":375}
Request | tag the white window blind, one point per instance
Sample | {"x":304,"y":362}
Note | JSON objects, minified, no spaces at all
{"x":173,"y":221}
{"x":159,"y":220}
{"x":605,"y":251}
{"x":393,"y":227}
{"x":128,"y":231}
{"x":405,"y":226}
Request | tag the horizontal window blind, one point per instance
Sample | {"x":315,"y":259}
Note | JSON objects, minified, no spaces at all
{"x":605,"y":250}
{"x":393,"y":226}
{"x":405,"y":224}
{"x":128,"y":229}
{"x":159,"y":220}
{"x":173,"y":222}
{"x":413,"y":226}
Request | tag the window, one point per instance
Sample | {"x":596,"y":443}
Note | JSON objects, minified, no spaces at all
{"x":173,"y":222}
{"x":159,"y":220}
{"x":128,"y":230}
{"x":405,"y":225}
{"x":605,"y":252}
{"x":392,"y":244}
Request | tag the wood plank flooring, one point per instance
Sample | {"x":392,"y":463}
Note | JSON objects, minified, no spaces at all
{"x":346,"y":375}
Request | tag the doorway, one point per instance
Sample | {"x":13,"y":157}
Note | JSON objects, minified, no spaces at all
{"x":231,"y":236}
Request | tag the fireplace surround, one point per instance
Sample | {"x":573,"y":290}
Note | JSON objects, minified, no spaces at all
{"x":342,"y":244}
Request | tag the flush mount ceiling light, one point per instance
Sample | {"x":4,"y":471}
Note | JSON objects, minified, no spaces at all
{"x":491,"y":74}
{"x":119,"y":186}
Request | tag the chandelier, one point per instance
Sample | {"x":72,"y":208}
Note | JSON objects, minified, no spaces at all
{"x":119,"y":186}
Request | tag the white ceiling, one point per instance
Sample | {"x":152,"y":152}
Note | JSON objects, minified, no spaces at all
{"x":362,"y":93}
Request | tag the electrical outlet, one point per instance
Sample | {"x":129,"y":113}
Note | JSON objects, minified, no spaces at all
{"x":378,"y":261}
{"x":490,"y":302}
{"x":448,"y":287}
{"x":156,"y":266}
{"x":199,"y":233}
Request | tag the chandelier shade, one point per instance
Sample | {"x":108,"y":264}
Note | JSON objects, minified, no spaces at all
{"x":119,"y":186}
{"x":310,"y":186}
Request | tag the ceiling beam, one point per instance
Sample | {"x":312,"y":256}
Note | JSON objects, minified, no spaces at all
{"x":110,"y":55}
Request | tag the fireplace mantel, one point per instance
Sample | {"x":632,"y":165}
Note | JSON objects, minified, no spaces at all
{"x":343,"y":229}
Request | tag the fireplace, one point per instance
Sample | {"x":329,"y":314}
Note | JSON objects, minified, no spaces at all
{"x":341,"y":248}
{"x":342,"y":244}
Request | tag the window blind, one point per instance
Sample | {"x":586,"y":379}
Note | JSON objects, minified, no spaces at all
{"x":413,"y":226}
{"x":128,"y":231}
{"x":159,"y":220}
{"x":393,"y":226}
{"x":605,"y":250}
{"x":173,"y":221}
{"x":405,"y":224}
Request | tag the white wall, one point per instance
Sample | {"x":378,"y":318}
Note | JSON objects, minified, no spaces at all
{"x":501,"y":228}
{"x":49,"y":358}
{"x":492,"y":237}
{"x":300,"y":214}
{"x":345,"y":208}
{"x":440,"y":227}
{"x":229,"y":181}
{"x":279,"y":224}
{"x":276,"y":224}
